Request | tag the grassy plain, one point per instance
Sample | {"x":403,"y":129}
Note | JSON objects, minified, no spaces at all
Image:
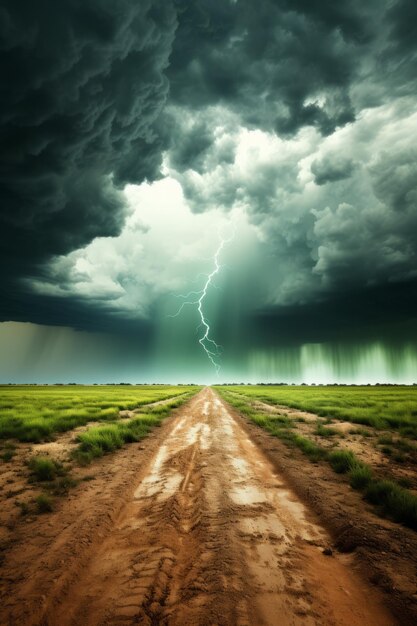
{"x":35,"y":413}
{"x":382,"y":407}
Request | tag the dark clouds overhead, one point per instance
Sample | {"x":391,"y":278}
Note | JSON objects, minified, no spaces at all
{"x":82,"y":84}
{"x":283,"y":64}
{"x":268,"y":60}
{"x":332,"y":168}
{"x":371,"y":314}
{"x":95,"y":93}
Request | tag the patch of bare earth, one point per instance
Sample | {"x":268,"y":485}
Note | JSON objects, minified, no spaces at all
{"x":196,"y":527}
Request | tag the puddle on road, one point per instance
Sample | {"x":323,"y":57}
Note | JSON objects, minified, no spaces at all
{"x":309,"y":532}
{"x":248,"y":495}
{"x":205,"y":437}
{"x":162,"y":480}
{"x":240,"y":466}
{"x":192,"y":433}
{"x":268,"y":528}
{"x":149,"y":486}
{"x":171,"y":484}
{"x":178,"y":426}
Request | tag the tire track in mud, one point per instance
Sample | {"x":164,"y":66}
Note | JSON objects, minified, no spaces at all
{"x":214,"y":536}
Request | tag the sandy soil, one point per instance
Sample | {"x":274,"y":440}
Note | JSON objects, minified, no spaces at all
{"x":197,"y":527}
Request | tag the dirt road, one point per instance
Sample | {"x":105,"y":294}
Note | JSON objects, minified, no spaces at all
{"x":214,"y":536}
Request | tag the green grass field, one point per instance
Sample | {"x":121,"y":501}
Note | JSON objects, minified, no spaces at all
{"x":35,"y":413}
{"x":382,"y":407}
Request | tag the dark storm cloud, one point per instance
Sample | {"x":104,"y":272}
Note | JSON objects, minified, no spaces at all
{"x":332,"y":168}
{"x":403,"y":19}
{"x":281,"y":65}
{"x":83,"y":111}
{"x":271,"y":60}
{"x":82,"y":84}
{"x":372,"y":241}
{"x":348,"y":17}
{"x":375,"y":313}
{"x":75,"y":313}
{"x":188,"y":142}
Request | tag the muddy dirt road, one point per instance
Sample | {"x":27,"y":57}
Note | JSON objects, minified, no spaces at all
{"x":213,"y":536}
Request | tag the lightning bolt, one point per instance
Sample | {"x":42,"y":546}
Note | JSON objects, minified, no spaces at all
{"x":210,"y":347}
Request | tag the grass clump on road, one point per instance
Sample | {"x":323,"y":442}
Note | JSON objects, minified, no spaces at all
{"x":342,"y":461}
{"x":7,"y":455}
{"x":345,"y":462}
{"x":322,"y":431}
{"x":360,"y":476}
{"x":309,"y":448}
{"x":45,"y":469}
{"x":44,"y":503}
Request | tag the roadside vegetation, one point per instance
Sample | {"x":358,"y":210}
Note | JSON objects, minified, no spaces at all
{"x":44,"y":468}
{"x":36,"y":413}
{"x":391,"y":498}
{"x":44,"y":503}
{"x":99,"y":440}
{"x":380,"y":407}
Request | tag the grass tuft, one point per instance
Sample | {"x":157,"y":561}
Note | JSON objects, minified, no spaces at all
{"x":7,"y":455}
{"x":394,"y":501}
{"x":24,"y":507}
{"x":45,"y":469}
{"x":44,"y":503}
{"x":100,"y":440}
{"x":322,"y":431}
{"x":309,"y":448}
{"x":342,"y":461}
{"x":360,"y":476}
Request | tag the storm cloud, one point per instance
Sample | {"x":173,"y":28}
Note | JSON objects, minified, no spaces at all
{"x":82,"y":85}
{"x":332,"y":168}
{"x":299,"y":115}
{"x":253,"y":58}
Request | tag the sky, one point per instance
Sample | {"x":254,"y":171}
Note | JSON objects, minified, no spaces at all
{"x":136,"y":136}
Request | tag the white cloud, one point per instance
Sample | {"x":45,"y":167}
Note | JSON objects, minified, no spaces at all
{"x":162,"y":249}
